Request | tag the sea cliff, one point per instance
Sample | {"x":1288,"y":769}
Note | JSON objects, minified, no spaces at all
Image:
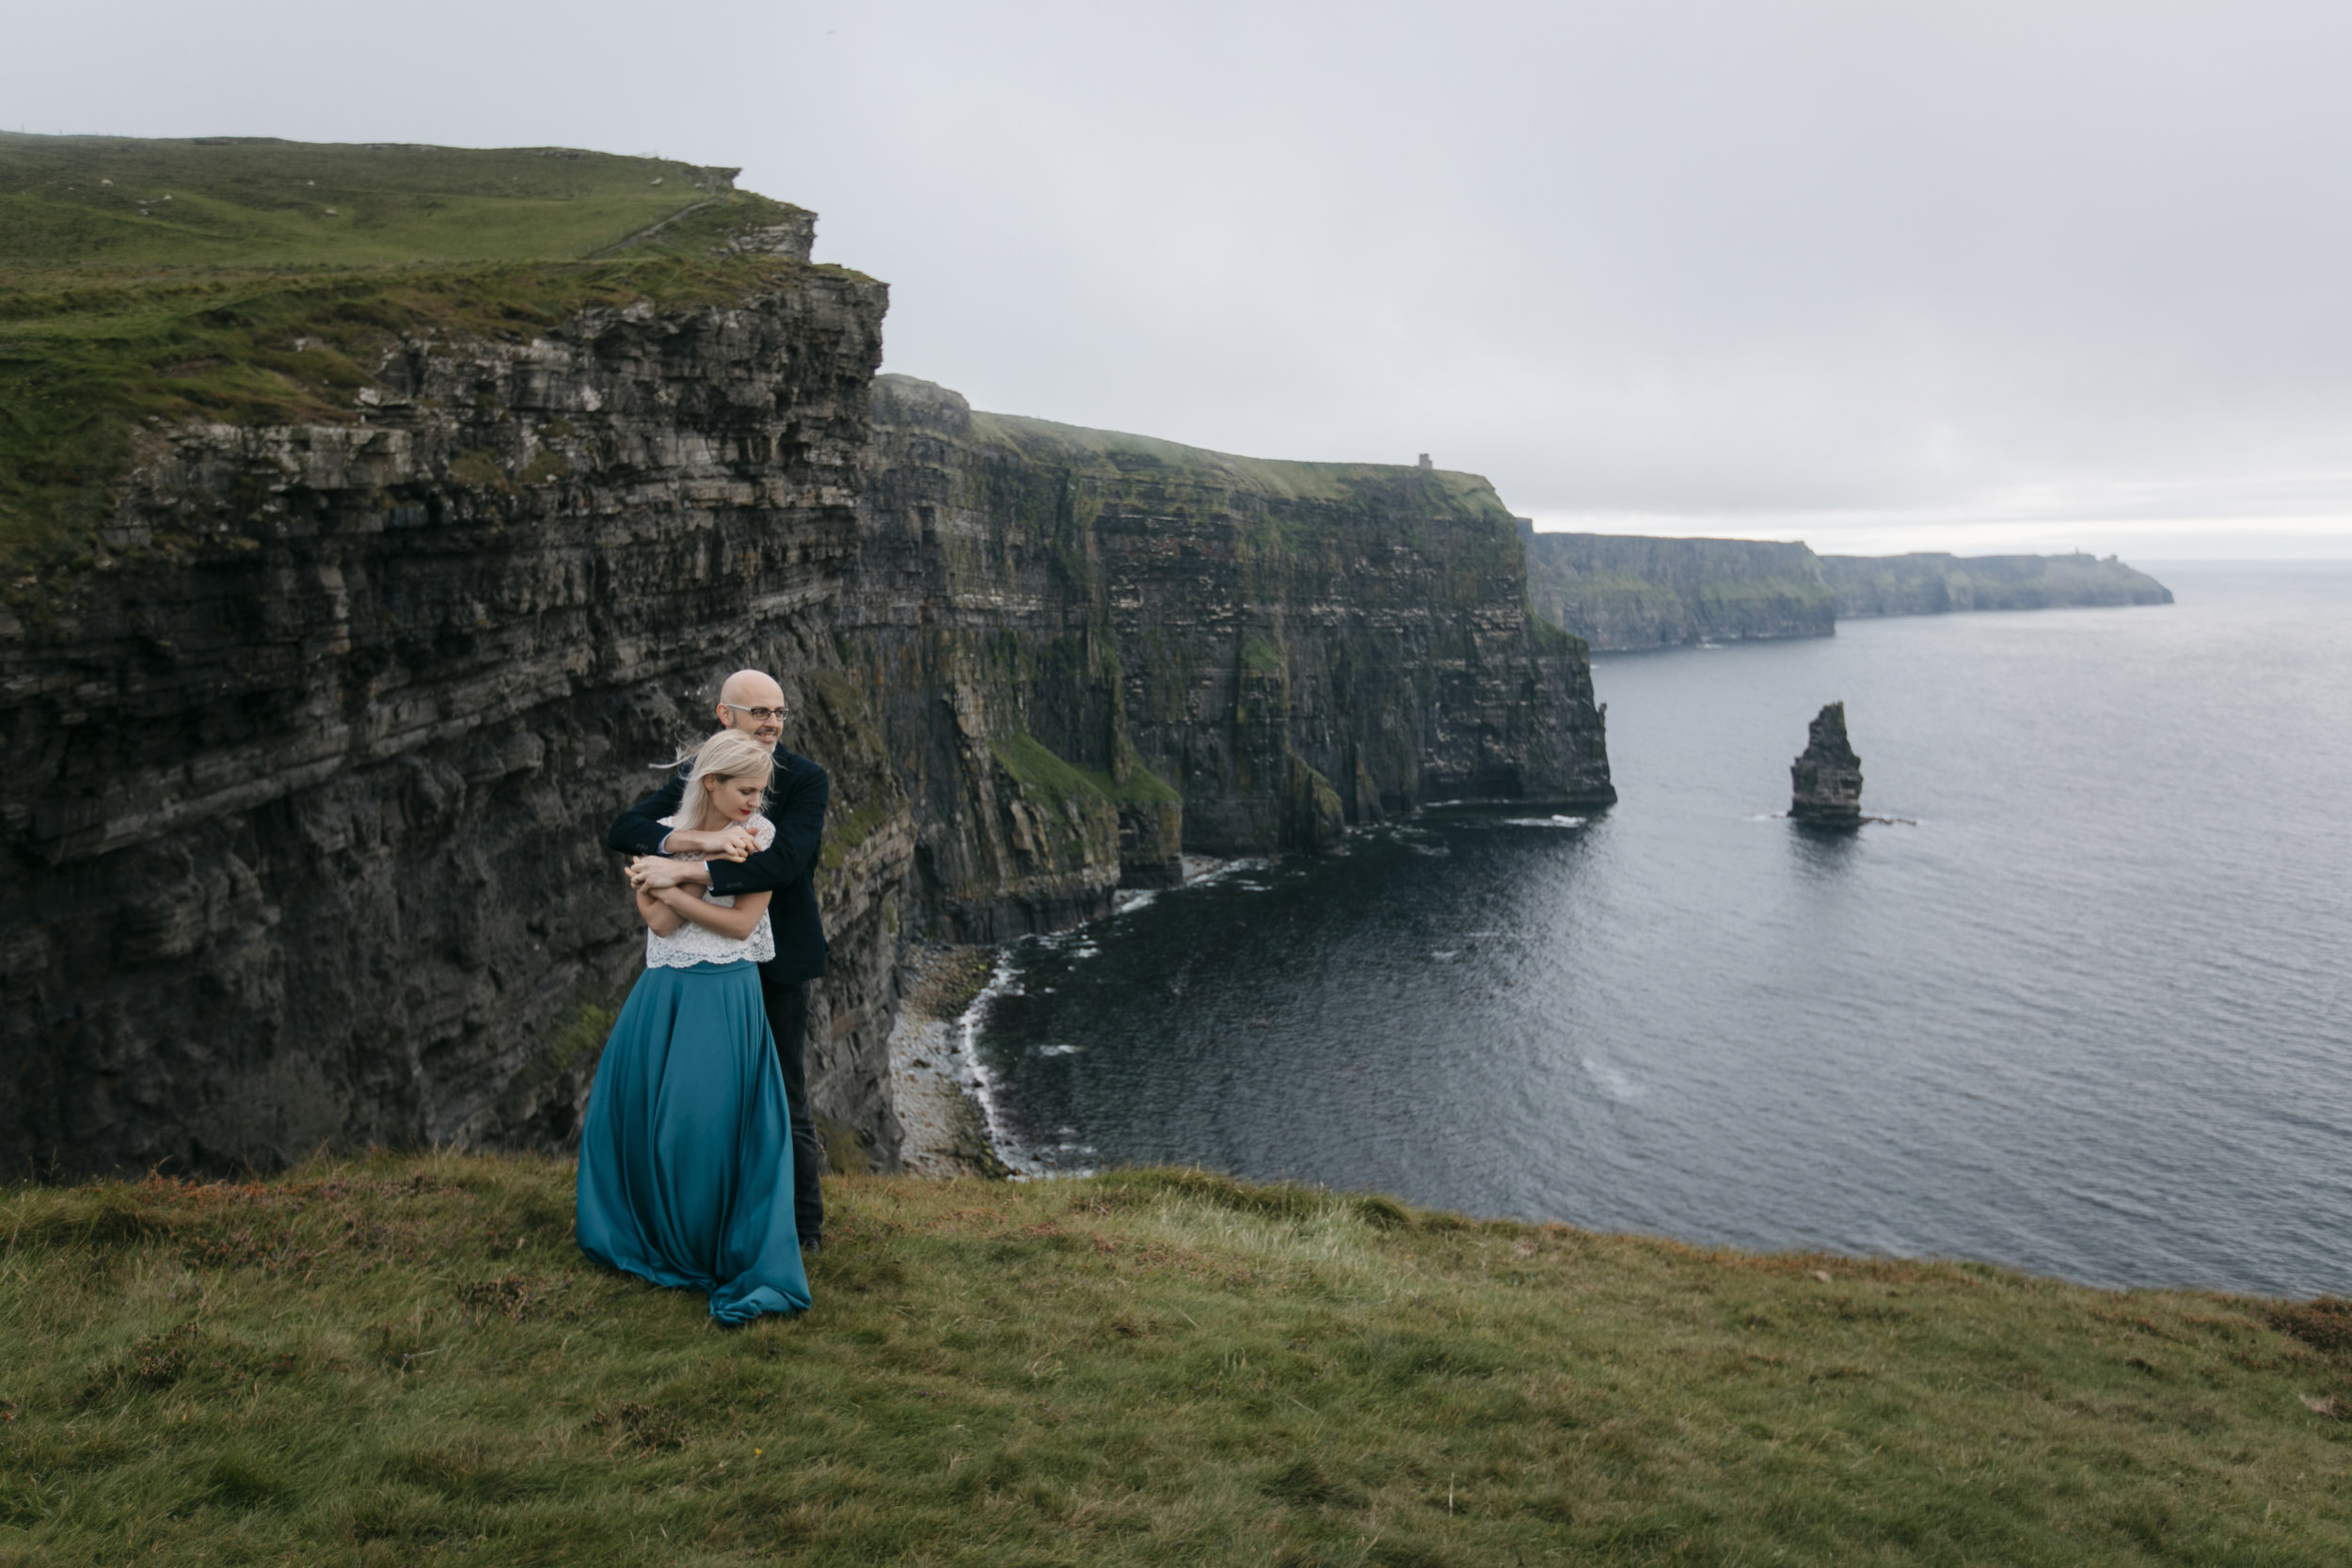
{"x":1090,"y":649}
{"x":1623,"y":593}
{"x":1628,"y":591}
{"x":306,"y":770}
{"x":1933,"y":584}
{"x":346,"y":603}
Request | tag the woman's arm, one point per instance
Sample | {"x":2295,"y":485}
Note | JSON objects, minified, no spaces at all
{"x":735,"y":924}
{"x":657,"y":916}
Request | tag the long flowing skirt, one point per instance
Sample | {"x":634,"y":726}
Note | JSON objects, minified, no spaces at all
{"x":686,"y":1152}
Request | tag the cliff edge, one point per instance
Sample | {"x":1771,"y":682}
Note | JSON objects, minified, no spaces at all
{"x":346,"y":602}
{"x":1092,"y":649}
{"x":1933,"y":583}
{"x":1625,"y":592}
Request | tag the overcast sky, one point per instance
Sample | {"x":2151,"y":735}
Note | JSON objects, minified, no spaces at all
{"x":1970,"y":276}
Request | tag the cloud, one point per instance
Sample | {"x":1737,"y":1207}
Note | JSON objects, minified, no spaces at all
{"x":1746,"y":264}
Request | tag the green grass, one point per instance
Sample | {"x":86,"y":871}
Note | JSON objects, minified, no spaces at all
{"x":1440,"y":492}
{"x":404,"y":1360}
{"x":1038,"y":766}
{"x":1142,"y":787}
{"x":1260,"y":659}
{"x":256,"y":201}
{"x":86,"y":359}
{"x":242,"y":301}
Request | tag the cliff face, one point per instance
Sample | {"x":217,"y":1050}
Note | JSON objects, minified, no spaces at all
{"x":1625,"y":592}
{"x":309,"y":750}
{"x":1930,"y":583}
{"x":305,"y":777}
{"x":1089,"y":647}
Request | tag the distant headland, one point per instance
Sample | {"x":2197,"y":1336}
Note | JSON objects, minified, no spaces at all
{"x":1625,"y":592}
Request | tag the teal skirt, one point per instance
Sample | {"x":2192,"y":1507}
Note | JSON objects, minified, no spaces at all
{"x":686,"y":1152}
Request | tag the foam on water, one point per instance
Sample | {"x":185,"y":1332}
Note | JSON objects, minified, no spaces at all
{"x":2088,"y":1019}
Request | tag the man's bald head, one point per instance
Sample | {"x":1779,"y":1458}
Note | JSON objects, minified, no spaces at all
{"x":751,"y":702}
{"x":752,"y":688}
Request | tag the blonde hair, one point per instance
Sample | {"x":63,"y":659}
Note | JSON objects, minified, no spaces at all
{"x":728,"y":754}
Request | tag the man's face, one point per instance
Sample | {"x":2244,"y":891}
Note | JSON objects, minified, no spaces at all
{"x":757,"y":714}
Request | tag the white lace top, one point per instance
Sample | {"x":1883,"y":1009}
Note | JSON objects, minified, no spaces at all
{"x":697,"y":944}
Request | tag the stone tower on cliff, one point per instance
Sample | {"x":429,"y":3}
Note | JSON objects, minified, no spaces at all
{"x":1826,"y":781}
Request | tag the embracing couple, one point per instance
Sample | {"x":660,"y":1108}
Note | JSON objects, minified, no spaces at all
{"x":698,"y":1156}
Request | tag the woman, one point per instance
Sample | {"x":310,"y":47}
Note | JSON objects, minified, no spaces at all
{"x":686,"y":1152}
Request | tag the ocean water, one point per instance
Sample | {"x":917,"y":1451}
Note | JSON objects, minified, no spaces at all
{"x":2085,"y":1013}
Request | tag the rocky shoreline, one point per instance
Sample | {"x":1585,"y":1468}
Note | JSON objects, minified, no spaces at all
{"x":943,"y":1129}
{"x":939,"y":1087}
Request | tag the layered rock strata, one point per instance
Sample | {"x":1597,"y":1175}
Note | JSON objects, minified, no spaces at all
{"x":1090,"y":650}
{"x":1622,"y":592}
{"x":303,"y":780}
{"x":1933,"y":583}
{"x":305,"y":775}
{"x":1825,"y":781}
{"x":1625,"y":593}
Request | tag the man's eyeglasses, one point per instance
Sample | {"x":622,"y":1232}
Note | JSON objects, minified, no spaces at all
{"x":759,"y":715}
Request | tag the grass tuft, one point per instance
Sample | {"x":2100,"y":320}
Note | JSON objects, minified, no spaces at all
{"x":2325,"y":1323}
{"x":399,"y":1359}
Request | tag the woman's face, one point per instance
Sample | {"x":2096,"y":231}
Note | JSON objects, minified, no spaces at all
{"x":736,"y":800}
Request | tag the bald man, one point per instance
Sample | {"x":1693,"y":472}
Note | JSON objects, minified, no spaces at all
{"x":796,"y":793}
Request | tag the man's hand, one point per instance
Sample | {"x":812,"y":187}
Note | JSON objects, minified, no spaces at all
{"x":651,"y":873}
{"x":733,"y":842}
{"x":736,"y":844}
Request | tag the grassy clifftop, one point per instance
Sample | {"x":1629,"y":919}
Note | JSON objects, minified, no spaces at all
{"x":405,"y":1359}
{"x":1441,"y":491}
{"x":1932,"y":582}
{"x":257,"y":281}
{"x":258,"y":202}
{"x":1625,"y":592}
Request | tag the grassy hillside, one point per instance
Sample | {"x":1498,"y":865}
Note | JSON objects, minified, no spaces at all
{"x":1148,"y":457}
{"x":256,"y":201}
{"x":407,"y":1360}
{"x":266,"y":287}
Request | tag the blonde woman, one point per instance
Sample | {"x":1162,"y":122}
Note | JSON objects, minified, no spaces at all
{"x":686,"y":1152}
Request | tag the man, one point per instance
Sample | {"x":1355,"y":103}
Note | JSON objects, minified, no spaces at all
{"x":796,"y":793}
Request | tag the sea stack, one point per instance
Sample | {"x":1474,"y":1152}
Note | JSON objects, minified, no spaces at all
{"x":1826,"y":781}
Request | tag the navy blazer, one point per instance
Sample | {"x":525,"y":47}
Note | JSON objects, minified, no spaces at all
{"x":796,"y":793}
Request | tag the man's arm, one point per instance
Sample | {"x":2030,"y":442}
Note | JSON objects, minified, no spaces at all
{"x":638,"y":831}
{"x":800,"y":825}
